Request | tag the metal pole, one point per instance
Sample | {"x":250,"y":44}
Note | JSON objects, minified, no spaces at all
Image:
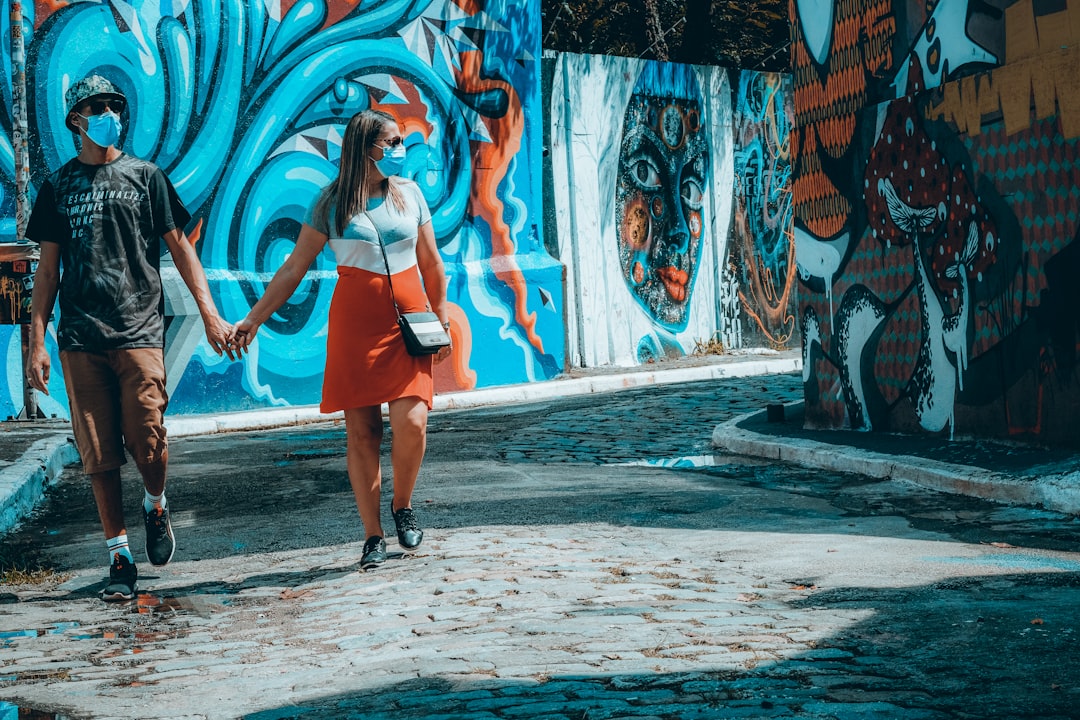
{"x":18,"y":119}
{"x":22,"y":172}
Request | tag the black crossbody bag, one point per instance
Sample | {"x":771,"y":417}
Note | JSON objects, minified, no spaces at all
{"x":422,"y":332}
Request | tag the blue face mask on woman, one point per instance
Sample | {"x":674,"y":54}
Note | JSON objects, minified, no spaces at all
{"x":104,"y":129}
{"x":393,"y":160}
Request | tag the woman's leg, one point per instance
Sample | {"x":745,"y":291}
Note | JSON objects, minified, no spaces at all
{"x":408,"y":423}
{"x":364,"y":430}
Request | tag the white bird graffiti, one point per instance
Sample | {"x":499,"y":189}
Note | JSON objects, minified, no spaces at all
{"x":933,"y":384}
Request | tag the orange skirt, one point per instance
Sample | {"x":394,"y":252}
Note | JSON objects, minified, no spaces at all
{"x":366,"y":360}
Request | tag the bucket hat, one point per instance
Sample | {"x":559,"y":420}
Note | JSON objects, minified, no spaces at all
{"x":90,"y":86}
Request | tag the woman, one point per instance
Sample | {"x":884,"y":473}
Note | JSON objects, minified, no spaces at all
{"x":366,"y":361}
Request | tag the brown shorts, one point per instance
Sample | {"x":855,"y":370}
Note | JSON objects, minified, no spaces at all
{"x":117,"y":400}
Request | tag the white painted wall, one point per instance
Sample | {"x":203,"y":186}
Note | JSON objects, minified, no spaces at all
{"x":588,"y":101}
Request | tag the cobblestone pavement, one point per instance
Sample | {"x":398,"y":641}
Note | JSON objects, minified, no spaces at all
{"x":585,"y":558}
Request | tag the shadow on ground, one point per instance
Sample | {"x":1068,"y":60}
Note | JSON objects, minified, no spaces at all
{"x":946,"y":650}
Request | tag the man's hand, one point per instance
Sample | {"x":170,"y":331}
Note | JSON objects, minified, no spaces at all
{"x":220,"y":335}
{"x":38,"y":365}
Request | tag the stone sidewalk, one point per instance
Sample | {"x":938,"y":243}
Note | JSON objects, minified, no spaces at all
{"x":33,"y":453}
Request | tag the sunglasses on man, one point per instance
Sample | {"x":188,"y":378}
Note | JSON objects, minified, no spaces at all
{"x":99,"y":105}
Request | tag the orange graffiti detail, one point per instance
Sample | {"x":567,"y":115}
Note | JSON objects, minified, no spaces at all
{"x":455,"y":373}
{"x":12,"y":291}
{"x":43,"y":9}
{"x":336,"y":10}
{"x":1039,"y":70}
{"x":410,"y":115}
{"x":470,"y":6}
{"x":826,"y":107}
{"x":776,"y":307}
{"x":491,"y":163}
{"x":636,"y":223}
{"x":196,"y":233}
{"x":694,"y":222}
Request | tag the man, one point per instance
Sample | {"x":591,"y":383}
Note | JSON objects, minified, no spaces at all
{"x":101,"y":218}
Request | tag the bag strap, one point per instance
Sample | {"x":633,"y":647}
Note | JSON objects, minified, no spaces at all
{"x":385,"y":262}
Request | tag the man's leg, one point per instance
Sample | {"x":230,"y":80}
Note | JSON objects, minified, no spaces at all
{"x":95,"y":420}
{"x":93,"y":396}
{"x":153,"y":474}
{"x":109,"y":497}
{"x":141,"y":374}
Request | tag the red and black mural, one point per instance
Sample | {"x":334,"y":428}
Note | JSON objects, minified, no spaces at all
{"x":935,"y":215}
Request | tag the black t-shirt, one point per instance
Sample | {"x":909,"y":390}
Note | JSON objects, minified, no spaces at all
{"x":108,"y":220}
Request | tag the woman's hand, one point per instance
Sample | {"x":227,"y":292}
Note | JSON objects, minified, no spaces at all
{"x":444,"y":352}
{"x":244,"y":333}
{"x":285,"y":281}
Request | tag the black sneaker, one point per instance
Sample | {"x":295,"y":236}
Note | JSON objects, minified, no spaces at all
{"x":374,"y":552}
{"x":123,"y":580}
{"x":160,"y":543}
{"x":409,"y":534}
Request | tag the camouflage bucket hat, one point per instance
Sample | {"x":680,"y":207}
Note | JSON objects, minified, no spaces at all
{"x":89,"y":87}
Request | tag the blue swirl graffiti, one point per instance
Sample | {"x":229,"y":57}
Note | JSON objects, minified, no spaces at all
{"x":244,"y":110}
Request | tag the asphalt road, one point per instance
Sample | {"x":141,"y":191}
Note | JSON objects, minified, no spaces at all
{"x":585,"y":558}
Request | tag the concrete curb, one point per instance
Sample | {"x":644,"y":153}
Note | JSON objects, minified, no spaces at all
{"x":24,"y":481}
{"x":1060,"y":493}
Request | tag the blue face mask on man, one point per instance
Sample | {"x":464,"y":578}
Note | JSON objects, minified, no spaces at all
{"x":104,"y":129}
{"x":393,"y":160}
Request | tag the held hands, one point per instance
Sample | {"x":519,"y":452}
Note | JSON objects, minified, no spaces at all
{"x":244,"y":333}
{"x":232,"y":340}
{"x":237,"y":340}
{"x":220,"y":335}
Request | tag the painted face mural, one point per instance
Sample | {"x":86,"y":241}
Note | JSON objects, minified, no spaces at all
{"x":659,"y":196}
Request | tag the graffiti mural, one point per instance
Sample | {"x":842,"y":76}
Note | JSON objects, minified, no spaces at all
{"x":243,"y":104}
{"x":761,"y":260}
{"x":937,"y":179}
{"x":663,"y":171}
{"x":644,"y":215}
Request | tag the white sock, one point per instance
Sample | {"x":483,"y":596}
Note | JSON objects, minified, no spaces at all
{"x":119,"y":546}
{"x":149,"y":501}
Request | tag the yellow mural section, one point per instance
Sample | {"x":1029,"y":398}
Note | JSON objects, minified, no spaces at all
{"x":1040,"y":77}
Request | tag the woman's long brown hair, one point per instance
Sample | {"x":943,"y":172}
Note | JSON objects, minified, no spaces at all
{"x":348,"y":193}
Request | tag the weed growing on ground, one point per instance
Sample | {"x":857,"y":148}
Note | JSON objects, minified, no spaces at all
{"x":712,"y":346}
{"x":22,"y":576}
